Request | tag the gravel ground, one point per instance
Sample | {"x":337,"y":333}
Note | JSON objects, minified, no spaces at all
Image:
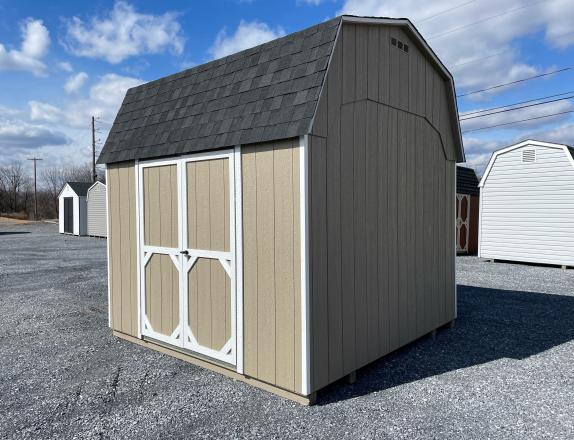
{"x":504,"y":371}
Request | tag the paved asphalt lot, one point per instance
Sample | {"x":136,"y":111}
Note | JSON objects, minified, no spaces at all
{"x":505,"y":371}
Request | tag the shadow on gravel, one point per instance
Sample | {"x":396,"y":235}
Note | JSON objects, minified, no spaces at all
{"x":13,"y":232}
{"x":492,"y":324}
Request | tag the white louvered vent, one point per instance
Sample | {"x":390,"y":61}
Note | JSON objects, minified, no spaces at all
{"x":529,"y":155}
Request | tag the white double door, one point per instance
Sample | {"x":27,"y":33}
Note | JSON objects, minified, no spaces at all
{"x":188,"y":253}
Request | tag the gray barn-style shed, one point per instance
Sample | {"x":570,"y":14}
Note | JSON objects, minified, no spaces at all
{"x":286,"y":215}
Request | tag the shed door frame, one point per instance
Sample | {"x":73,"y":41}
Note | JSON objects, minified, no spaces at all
{"x":144,"y":252}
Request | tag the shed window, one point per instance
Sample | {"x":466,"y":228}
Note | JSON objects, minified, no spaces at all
{"x":529,"y":155}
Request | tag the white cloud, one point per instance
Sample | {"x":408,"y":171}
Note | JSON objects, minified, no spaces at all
{"x":247,"y":34}
{"x":65,"y":66}
{"x":61,"y":133}
{"x":9,"y":112}
{"x":40,"y":111}
{"x":20,"y":134}
{"x":35,"y":44}
{"x":496,"y":35}
{"x":122,"y":34}
{"x":103,"y":101}
{"x":310,"y":2}
{"x":75,"y":82}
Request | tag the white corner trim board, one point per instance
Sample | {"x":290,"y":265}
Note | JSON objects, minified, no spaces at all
{"x":305,"y":289}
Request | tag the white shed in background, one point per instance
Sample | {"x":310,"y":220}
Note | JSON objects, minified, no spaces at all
{"x":72,"y":212}
{"x":527,"y":204}
{"x":97,"y":212}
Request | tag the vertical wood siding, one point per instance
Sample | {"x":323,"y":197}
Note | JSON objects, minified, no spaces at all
{"x":271,"y":256}
{"x":527,"y":208}
{"x":122,"y":258}
{"x":162,"y":294}
{"x":160,"y":206}
{"x":381,"y":158}
{"x":97,"y":214}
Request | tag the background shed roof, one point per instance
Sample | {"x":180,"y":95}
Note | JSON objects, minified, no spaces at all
{"x":466,"y":181}
{"x":80,"y":188}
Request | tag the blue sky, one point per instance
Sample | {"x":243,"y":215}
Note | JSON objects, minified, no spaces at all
{"x":62,"y":61}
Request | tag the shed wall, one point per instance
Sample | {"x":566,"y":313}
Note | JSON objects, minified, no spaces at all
{"x":271,"y":256}
{"x":527,"y":208}
{"x":97,"y":211}
{"x":271,"y":263}
{"x":382,"y":212}
{"x":122,"y":247}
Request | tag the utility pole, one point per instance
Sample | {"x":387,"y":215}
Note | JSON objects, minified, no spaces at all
{"x":94,"y":175}
{"x":35,"y":159}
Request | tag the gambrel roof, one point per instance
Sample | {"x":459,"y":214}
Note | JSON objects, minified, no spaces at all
{"x":530,"y":142}
{"x":265,"y":93}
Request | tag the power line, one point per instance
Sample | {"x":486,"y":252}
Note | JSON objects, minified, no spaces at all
{"x":495,"y":54}
{"x":459,"y":28}
{"x":564,"y":69}
{"x":516,"y":108}
{"x":517,"y":103}
{"x":444,"y":12}
{"x":517,"y":122}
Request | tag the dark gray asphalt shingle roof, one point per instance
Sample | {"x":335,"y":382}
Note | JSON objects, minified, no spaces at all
{"x":466,"y":181}
{"x":260,"y":94}
{"x":80,"y":188}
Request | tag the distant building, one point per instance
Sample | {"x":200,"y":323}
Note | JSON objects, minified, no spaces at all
{"x":467,"y":208}
{"x":72,"y":208}
{"x":527,"y":204}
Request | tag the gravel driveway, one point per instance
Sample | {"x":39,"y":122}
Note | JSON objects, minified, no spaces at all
{"x":505,"y":371}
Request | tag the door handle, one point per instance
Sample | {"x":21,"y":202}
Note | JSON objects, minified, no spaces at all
{"x":184,"y":252}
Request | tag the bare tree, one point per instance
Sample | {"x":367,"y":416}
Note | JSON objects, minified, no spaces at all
{"x":13,"y":179}
{"x":54,"y":178}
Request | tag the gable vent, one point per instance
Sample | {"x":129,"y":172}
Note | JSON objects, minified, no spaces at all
{"x":529,"y":155}
{"x":400,"y":45}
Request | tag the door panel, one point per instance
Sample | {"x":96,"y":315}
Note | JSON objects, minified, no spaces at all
{"x":209,"y":303}
{"x":161,"y":303}
{"x":208,"y":205}
{"x":160,"y":206}
{"x":162,"y":295}
{"x":69,"y":215}
{"x":210,"y":268}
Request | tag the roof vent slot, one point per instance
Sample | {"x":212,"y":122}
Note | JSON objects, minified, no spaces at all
{"x":529,"y":155}
{"x":400,"y":45}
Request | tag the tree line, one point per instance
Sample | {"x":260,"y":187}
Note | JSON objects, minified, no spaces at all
{"x":17,"y":188}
